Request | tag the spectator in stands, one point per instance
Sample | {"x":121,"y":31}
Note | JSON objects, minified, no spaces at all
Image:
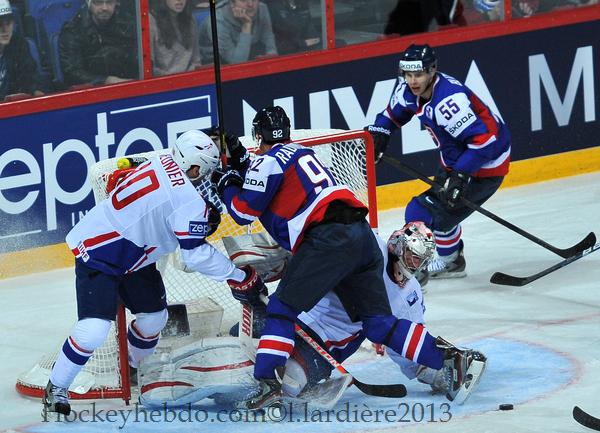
{"x":293,"y":26}
{"x":245,"y":32}
{"x":18,"y":72}
{"x":174,"y":35}
{"x":98,"y":45}
{"x":418,"y":16}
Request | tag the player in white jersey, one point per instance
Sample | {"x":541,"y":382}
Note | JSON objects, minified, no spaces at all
{"x":153,"y":209}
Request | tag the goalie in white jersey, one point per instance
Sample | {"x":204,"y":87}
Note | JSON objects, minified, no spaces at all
{"x":192,"y":372}
{"x":151,"y":211}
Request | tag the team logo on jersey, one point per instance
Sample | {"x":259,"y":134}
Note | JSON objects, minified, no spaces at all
{"x":412,"y":298}
{"x":429,"y":112}
{"x":198,"y":228}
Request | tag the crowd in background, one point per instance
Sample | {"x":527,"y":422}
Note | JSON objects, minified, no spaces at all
{"x":94,"y":42}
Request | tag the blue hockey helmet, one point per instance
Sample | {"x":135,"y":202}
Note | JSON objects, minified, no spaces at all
{"x":417,"y":58}
{"x":272,"y":125}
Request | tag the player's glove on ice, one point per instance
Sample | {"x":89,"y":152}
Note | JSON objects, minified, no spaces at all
{"x":228,"y":178}
{"x":250,"y":289}
{"x":239,"y":157}
{"x":381,"y":139}
{"x":454,"y":188}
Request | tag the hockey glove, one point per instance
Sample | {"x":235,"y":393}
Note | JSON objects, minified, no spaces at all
{"x":224,"y":179}
{"x":381,"y":139}
{"x":239,"y":158}
{"x":214,"y":218}
{"x":454,"y":188}
{"x":250,"y":289}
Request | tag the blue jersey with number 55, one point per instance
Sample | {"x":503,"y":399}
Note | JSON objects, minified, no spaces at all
{"x":469,"y":136}
{"x":288,"y":189}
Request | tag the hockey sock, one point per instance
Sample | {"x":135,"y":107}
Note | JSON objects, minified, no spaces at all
{"x":277,"y":339}
{"x":448,"y":243}
{"x":143,"y":335}
{"x":409,"y":339}
{"x":86,"y":336}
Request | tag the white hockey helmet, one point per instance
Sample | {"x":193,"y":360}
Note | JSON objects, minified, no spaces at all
{"x":194,"y":147}
{"x":410,"y":249}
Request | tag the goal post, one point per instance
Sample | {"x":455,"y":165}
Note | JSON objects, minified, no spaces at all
{"x":349,"y":157}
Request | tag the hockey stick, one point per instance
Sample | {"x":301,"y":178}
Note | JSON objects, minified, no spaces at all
{"x":585,"y":419}
{"x":245,"y":331}
{"x":509,"y":280}
{"x":565,"y":253}
{"x":388,"y":390}
{"x":218,"y":82}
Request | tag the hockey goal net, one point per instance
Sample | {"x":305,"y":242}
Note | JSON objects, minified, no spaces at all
{"x":349,"y":157}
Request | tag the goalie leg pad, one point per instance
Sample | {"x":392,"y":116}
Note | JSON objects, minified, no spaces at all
{"x":209,"y":368}
{"x":261,"y":252}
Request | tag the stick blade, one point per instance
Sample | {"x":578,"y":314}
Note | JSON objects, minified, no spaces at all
{"x":586,"y":419}
{"x":585,"y":243}
{"x":508,"y":280}
{"x":389,"y":391}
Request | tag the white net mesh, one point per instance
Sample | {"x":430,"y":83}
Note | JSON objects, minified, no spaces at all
{"x":346,"y":159}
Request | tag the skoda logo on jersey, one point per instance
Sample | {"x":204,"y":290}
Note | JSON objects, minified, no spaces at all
{"x":254,"y":184}
{"x":429,"y":112}
{"x":462,"y":123}
{"x":198,"y":228}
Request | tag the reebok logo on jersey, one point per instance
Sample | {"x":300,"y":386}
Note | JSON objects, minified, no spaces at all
{"x":198,"y":229}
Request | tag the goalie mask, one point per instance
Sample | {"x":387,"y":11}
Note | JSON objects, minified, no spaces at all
{"x":409,"y":250}
{"x":195,"y":148}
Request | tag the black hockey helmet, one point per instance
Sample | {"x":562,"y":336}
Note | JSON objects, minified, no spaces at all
{"x":417,"y":58}
{"x":272,"y":124}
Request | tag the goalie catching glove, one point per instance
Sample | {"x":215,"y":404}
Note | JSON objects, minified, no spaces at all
{"x":250,"y":288}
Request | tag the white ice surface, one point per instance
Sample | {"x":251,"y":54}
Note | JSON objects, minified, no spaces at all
{"x":542,"y":340}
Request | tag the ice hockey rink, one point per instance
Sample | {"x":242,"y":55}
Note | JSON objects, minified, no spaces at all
{"x":542,"y":340}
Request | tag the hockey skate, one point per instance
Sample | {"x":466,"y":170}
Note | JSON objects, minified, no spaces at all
{"x":452,"y":266}
{"x":463,"y":369}
{"x":55,"y":400}
{"x":268,"y":396}
{"x":436,"y":379}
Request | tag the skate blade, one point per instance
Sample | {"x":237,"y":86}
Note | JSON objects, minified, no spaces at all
{"x":52,"y":416}
{"x":473,"y":376}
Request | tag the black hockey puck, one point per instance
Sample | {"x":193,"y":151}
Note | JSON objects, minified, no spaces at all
{"x":506,"y":406}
